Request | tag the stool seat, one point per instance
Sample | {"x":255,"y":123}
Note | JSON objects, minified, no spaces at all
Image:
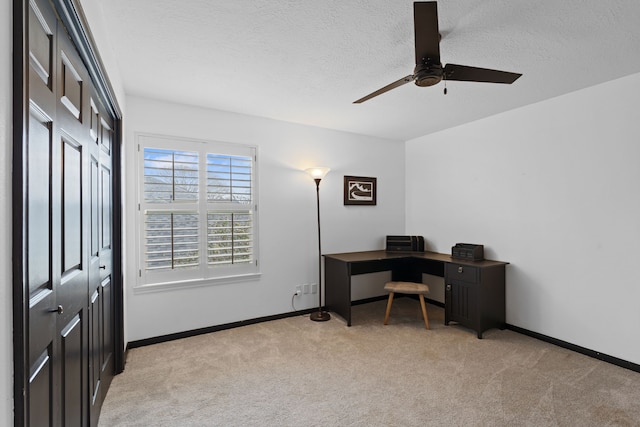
{"x":407,"y":288}
{"x":411,"y":288}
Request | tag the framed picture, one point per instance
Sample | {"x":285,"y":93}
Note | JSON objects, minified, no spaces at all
{"x":359,"y":190}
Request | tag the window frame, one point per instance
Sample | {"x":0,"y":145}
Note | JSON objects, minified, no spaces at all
{"x":203,"y":274}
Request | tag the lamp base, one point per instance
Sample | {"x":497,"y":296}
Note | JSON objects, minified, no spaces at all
{"x":320,"y":316}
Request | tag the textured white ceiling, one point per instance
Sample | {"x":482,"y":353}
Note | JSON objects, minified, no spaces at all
{"x":306,"y":61}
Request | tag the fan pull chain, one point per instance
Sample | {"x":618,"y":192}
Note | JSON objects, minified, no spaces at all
{"x":445,"y":85}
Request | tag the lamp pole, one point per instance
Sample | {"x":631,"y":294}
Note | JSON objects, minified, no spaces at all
{"x":319,"y":316}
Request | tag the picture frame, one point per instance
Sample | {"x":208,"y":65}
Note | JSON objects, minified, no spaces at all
{"x":360,"y":190}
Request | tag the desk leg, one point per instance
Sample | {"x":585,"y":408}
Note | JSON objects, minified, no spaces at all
{"x":447,"y":302}
{"x":337,"y":287}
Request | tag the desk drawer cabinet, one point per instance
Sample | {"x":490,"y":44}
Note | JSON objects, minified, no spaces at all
{"x":475,"y":295}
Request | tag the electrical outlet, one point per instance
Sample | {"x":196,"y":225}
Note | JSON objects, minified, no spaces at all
{"x":314,"y":288}
{"x":305,"y":288}
{"x":298,"y":290}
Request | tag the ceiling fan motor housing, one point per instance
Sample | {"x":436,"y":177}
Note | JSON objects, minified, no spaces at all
{"x":428,"y":73}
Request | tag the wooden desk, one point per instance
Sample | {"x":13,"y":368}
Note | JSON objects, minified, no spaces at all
{"x":474,"y":290}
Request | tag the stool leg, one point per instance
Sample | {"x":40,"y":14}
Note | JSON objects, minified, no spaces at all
{"x":386,"y":315}
{"x":424,"y":311}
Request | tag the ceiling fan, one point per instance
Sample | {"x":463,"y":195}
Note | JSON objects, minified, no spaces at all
{"x":429,"y":70}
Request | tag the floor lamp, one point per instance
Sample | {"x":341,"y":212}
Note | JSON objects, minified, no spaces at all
{"x":317,"y":174}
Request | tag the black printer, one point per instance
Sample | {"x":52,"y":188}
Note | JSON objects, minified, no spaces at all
{"x":405,"y":244}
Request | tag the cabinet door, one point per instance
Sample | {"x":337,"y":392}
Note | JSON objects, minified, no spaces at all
{"x":461,"y":294}
{"x":461,"y":303}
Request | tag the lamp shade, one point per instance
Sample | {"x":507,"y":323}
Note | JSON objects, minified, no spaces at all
{"x":318,"y":172}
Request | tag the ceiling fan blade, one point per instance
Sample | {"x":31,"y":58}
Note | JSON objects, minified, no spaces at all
{"x":474,"y":74}
{"x":427,"y":36}
{"x":387,"y":88}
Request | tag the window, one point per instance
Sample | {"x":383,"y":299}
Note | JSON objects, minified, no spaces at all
{"x":197,"y":211}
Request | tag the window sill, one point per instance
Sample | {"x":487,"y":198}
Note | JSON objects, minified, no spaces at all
{"x":197,"y":283}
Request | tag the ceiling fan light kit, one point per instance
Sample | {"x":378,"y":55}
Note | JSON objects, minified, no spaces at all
{"x":429,"y":70}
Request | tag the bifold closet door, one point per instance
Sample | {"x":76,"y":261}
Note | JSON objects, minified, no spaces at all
{"x":67,"y":233}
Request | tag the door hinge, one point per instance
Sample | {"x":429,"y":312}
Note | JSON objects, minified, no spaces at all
{"x":139,"y":273}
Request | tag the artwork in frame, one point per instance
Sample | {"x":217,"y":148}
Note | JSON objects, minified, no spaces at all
{"x":360,"y":190}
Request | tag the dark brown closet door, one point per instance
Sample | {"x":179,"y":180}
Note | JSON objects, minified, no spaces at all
{"x":42,"y":257}
{"x":70,"y":223}
{"x":101,"y":294}
{"x":68,"y":232}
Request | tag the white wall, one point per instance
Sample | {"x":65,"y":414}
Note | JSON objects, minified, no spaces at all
{"x":6,"y":322}
{"x":287,"y":197}
{"x":553,"y":188}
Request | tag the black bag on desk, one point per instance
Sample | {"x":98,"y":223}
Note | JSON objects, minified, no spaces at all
{"x":405,"y":244}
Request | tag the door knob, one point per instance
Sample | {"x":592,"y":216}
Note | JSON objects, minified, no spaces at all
{"x":58,"y":310}
{"x":448,"y":287}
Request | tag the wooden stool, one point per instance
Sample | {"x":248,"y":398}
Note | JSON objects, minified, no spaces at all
{"x":407,"y":288}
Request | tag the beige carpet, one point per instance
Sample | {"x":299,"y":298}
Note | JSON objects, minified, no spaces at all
{"x":295,"y":372}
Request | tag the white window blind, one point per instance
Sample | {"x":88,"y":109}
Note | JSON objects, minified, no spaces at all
{"x":229,"y":178}
{"x":230,"y":237}
{"x":185,"y":236}
{"x":170,"y":175}
{"x":171,"y":240}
